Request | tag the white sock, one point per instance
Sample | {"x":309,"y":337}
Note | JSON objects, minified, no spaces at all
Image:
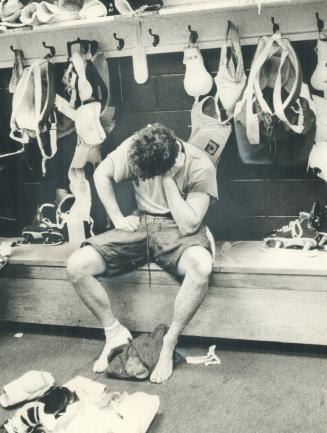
{"x":110,"y":331}
{"x":116,"y":335}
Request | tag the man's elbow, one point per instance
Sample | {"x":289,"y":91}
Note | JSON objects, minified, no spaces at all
{"x":104,"y":170}
{"x":100,"y":174}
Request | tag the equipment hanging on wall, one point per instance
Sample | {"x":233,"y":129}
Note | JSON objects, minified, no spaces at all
{"x":319,"y":76}
{"x":33,"y":109}
{"x":197,"y":80}
{"x":209,"y":132}
{"x":230,"y":79}
{"x":275,"y":119}
{"x":87,"y":85}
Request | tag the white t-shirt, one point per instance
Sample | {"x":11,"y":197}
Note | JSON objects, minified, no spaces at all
{"x":197,"y":175}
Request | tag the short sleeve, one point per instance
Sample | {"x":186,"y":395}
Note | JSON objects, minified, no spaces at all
{"x":119,"y":158}
{"x":203,"y":178}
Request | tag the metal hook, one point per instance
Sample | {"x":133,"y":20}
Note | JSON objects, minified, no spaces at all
{"x":94,"y":46}
{"x":320,"y":23}
{"x":121,"y":42}
{"x":50,"y":48}
{"x":156,"y":38}
{"x":275,"y":25}
{"x":193,"y":35}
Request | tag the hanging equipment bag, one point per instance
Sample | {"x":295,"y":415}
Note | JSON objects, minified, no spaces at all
{"x":209,"y":132}
{"x":33,"y":114}
{"x":275,"y":113}
{"x":230,"y":79}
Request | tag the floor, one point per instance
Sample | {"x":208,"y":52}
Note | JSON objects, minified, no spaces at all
{"x":255,"y":389}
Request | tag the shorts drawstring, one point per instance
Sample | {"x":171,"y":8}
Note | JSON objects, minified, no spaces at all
{"x":147,"y":247}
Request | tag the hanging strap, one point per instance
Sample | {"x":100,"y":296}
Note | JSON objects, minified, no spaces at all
{"x":41,"y":111}
{"x":18,"y":99}
{"x":217,"y":110}
{"x":286,"y":53}
{"x":232,"y":33}
{"x":279,"y":106}
{"x":53,"y":142}
{"x":17,"y":71}
{"x":252,"y":121}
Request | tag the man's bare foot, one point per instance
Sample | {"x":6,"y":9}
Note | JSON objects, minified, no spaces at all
{"x":122,"y":336}
{"x":164,"y":368}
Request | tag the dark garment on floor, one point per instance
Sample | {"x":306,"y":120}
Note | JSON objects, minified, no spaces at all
{"x":138,"y":358}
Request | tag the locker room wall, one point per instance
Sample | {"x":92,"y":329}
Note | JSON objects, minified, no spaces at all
{"x":253,"y":199}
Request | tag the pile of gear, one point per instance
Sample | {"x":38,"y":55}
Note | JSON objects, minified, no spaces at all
{"x":21,"y":13}
{"x":52,"y":224}
{"x":308,"y":231}
{"x":81,"y":405}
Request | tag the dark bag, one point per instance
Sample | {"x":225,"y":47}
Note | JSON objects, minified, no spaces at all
{"x":275,"y":120}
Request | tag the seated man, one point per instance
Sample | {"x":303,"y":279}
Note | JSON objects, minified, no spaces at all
{"x":173,"y":183}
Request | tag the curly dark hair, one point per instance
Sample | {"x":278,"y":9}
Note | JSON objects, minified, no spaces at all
{"x":153,"y":152}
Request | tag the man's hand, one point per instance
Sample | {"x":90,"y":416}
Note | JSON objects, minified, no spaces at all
{"x":129,"y":223}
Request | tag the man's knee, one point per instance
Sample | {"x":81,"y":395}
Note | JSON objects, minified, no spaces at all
{"x":84,"y":262}
{"x":198,"y":262}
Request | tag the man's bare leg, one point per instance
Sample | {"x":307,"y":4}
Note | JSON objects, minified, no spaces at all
{"x":196,"y":266}
{"x":82,"y":267}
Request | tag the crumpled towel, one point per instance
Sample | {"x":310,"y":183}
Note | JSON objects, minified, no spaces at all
{"x":114,"y":413}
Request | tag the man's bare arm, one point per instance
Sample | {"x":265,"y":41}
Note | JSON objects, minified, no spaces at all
{"x":103,"y":176}
{"x":188,"y":213}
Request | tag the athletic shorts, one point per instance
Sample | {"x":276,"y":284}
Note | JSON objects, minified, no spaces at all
{"x":157,"y":239}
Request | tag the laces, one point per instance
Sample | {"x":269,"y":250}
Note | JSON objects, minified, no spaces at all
{"x":294,"y":227}
{"x":147,"y":248}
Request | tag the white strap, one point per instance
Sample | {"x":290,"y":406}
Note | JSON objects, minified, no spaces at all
{"x":252,"y":121}
{"x":286,"y":52}
{"x":217,"y":110}
{"x":237,"y":73}
{"x":53,"y":144}
{"x":279,"y":106}
{"x":5,"y":155}
{"x":65,"y":107}
{"x":37,"y":95}
{"x":18,"y":98}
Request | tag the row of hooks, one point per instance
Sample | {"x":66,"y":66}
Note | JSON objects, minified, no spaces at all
{"x":52,"y":50}
{"x":92,"y":46}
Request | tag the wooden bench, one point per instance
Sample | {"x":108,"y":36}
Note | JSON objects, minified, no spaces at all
{"x":254,"y":295}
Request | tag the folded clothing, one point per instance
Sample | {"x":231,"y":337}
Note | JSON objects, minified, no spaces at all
{"x":29,"y":386}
